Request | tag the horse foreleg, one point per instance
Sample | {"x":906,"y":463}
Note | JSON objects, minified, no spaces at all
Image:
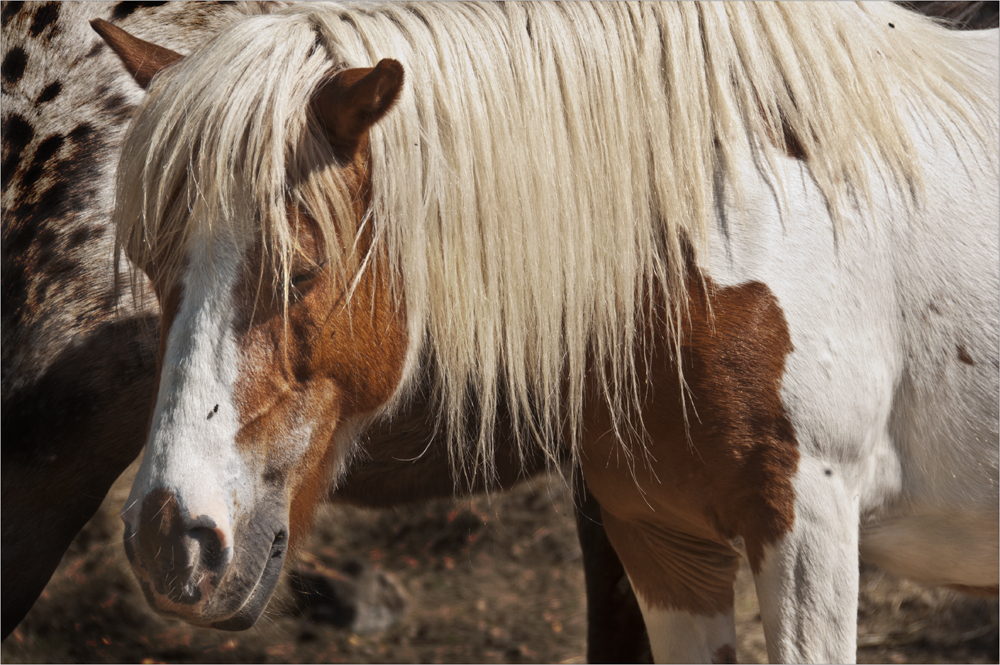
{"x":684,"y":585}
{"x":807,"y":582}
{"x":677,"y":636}
{"x":67,"y":437}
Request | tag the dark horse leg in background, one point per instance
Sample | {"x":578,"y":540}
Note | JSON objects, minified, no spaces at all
{"x":616,"y":633}
{"x":66,"y":438}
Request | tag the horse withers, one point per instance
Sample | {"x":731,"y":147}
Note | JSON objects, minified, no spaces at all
{"x":761,"y":328}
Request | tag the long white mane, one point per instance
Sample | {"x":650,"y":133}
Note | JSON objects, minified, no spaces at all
{"x":544,"y":168}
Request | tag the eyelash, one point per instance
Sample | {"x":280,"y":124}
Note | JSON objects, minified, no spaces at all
{"x":302,"y":278}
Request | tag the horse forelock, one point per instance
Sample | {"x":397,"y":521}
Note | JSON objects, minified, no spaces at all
{"x":221,"y":148}
{"x":530,"y":188}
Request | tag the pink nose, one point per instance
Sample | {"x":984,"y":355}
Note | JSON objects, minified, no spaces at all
{"x":184,"y":555}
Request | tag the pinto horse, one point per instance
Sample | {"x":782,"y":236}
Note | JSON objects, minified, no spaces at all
{"x":79,"y":358}
{"x":738,"y":261}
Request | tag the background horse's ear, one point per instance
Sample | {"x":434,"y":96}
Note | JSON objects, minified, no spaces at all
{"x":142,"y":59}
{"x":355,"y":99}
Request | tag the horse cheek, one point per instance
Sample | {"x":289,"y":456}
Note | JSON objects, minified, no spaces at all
{"x":366,"y":346}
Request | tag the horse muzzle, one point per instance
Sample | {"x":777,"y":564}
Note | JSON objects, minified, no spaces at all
{"x":197,"y":566}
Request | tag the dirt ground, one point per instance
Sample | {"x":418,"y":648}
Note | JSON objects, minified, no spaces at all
{"x":483,"y":580}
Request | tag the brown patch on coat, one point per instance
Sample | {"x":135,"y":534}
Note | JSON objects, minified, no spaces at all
{"x":963,"y":355}
{"x":672,"y":508}
{"x":793,"y":148}
{"x":724,"y":654}
{"x":13,"y":66}
{"x":791,"y":143}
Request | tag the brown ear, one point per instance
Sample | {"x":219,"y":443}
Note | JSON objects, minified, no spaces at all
{"x":354,"y":100}
{"x":142,"y":59}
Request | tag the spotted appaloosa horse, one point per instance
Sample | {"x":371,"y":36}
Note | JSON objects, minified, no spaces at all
{"x":79,"y":361}
{"x":762,"y":328}
{"x":79,"y":358}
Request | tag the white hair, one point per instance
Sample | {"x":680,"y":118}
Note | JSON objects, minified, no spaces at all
{"x":545,"y":168}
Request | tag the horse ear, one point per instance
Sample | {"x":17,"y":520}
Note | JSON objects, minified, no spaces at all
{"x":142,"y":59}
{"x":355,"y":99}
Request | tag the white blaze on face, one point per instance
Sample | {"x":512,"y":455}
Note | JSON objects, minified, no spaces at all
{"x":191,"y":446}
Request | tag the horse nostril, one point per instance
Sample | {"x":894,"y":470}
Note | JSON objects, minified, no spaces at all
{"x":179,"y":555}
{"x":211,"y":554}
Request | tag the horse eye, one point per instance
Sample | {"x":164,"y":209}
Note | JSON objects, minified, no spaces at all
{"x":301,"y":279}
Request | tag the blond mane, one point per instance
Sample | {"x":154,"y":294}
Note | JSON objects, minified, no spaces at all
{"x":542,"y":171}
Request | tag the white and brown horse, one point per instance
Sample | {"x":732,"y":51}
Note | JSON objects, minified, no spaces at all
{"x":739,"y":261}
{"x":762,"y":329}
